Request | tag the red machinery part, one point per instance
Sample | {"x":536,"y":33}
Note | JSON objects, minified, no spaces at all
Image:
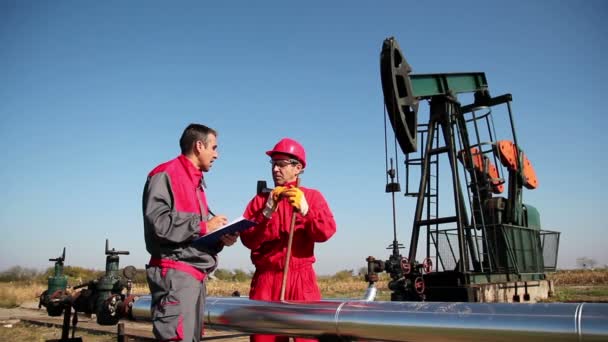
{"x":406,"y":267}
{"x":427,"y":265}
{"x":125,"y":307}
{"x":419,"y":285}
{"x":508,"y":156}
{"x":479,"y":163}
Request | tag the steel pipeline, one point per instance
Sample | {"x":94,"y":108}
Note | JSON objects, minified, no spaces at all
{"x":405,"y":321}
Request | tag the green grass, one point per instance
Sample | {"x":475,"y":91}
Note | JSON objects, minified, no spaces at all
{"x":581,"y":294}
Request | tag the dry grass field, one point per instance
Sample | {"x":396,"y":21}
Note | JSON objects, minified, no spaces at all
{"x":581,"y":285}
{"x":580,"y":277}
{"x":13,"y":294}
{"x":571,"y":285}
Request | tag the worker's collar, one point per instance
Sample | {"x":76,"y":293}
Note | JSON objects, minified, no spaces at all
{"x":195,"y":175}
{"x":291,"y":184}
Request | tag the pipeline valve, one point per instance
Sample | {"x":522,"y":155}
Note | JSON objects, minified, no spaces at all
{"x":105,"y":296}
{"x":407,"y":277}
{"x":52,"y":298}
{"x":110,"y":287}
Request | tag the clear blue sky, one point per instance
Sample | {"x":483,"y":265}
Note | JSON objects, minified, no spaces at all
{"x":95,"y":94}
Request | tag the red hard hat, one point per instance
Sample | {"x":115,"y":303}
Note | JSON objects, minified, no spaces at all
{"x":290,"y":147}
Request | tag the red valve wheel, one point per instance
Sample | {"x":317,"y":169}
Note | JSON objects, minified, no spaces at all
{"x":427,"y":265}
{"x":406,"y":267}
{"x":419,"y":285}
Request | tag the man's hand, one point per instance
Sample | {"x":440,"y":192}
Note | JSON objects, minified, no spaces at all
{"x":297,"y":199}
{"x":277,"y":192}
{"x":273,"y":199}
{"x":229,"y":239}
{"x":216,"y":222}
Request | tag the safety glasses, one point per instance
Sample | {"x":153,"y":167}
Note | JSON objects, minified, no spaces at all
{"x":283,"y":162}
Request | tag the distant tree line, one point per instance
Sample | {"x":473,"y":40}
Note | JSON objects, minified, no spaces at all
{"x":79,"y":275}
{"x":18,"y":273}
{"x":74,"y":273}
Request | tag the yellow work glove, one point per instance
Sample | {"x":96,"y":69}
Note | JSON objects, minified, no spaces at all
{"x":297,"y":199}
{"x":277,"y":192}
{"x":273,"y":199}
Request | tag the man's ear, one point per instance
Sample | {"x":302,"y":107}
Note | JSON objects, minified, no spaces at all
{"x":199,"y":146}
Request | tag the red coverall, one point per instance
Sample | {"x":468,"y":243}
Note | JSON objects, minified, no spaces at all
{"x":268,"y":243}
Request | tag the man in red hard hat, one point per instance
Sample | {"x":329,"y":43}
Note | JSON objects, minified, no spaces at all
{"x":269,"y":238}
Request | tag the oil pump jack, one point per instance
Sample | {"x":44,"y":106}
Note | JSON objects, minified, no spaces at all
{"x":480,"y":245}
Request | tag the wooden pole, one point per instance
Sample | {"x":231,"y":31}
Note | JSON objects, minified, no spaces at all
{"x":288,"y":255}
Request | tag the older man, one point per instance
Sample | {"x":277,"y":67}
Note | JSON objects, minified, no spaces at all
{"x":268,"y":240}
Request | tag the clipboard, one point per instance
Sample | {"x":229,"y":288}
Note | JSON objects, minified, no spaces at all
{"x":237,"y":225}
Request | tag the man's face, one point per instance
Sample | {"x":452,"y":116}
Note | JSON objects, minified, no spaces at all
{"x":207,"y":154}
{"x":285,"y":169}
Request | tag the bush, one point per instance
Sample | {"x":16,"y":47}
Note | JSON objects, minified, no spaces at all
{"x":76,"y":275}
{"x":236,"y":275}
{"x":222,"y":274}
{"x":343,"y":275}
{"x":241,"y":276}
{"x":18,"y":273}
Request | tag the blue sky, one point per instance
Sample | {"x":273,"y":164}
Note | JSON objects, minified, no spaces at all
{"x":95,"y":94}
